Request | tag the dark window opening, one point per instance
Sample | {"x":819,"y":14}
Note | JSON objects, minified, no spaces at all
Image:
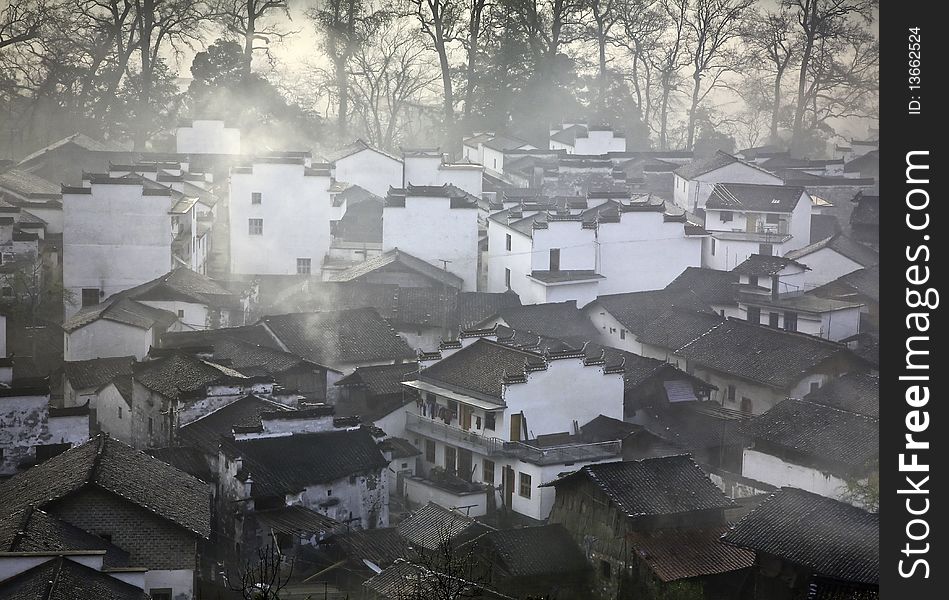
{"x":555,"y":259}
{"x":90,"y":296}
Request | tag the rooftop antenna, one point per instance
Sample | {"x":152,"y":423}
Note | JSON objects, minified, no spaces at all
{"x":444,"y":263}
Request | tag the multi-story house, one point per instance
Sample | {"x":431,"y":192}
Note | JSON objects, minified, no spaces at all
{"x":693,"y":183}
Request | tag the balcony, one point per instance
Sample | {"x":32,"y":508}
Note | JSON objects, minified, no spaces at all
{"x":532,"y":453}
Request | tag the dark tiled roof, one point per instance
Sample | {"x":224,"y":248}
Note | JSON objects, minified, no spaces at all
{"x":297,"y":520}
{"x":754,"y":197}
{"x":286,"y":465}
{"x":474,"y":307}
{"x":832,"y":538}
{"x":28,"y":185}
{"x":403,"y":260}
{"x":339,"y":337}
{"x":480,"y":368}
{"x":117,"y":468}
{"x":180,"y":374}
{"x":863,"y":283}
{"x":62,"y":579}
{"x":706,"y":165}
{"x":636,"y":310}
{"x":362,"y":221}
{"x":854,"y":392}
{"x":81,"y":140}
{"x":205,"y":433}
{"x":569,"y":135}
{"x":561,"y":320}
{"x":653,"y":486}
{"x":676,"y":328}
{"x":85,"y":374}
{"x":709,"y":285}
{"x":766,"y":355}
{"x":674,"y":554}
{"x":380,"y":546}
{"x":697,"y":426}
{"x":433,"y":525}
{"x":843,"y":245}
{"x":602,"y":428}
{"x":255,"y":360}
{"x":121,"y":310}
{"x":821,"y":433}
{"x":565,"y":276}
{"x":764,"y":265}
{"x":866,"y":162}
{"x":548,"y":550}
{"x":189,"y":459}
{"x":382,"y":380}
{"x":185,"y":285}
{"x":32,"y":530}
{"x":823,"y":227}
{"x":406,"y":580}
{"x":251,"y":334}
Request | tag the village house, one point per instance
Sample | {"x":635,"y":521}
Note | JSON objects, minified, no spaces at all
{"x":560,"y":320}
{"x":488,"y":149}
{"x":436,"y":223}
{"x":488,"y":414}
{"x":76,"y":575}
{"x":533,"y":561}
{"x":753,"y":367}
{"x":67,"y":159}
{"x":865,"y":219}
{"x":279,"y":215}
{"x":815,"y":447}
{"x":156,"y":514}
{"x":693,"y":183}
{"x":84,"y":379}
{"x":405,"y":579}
{"x":649,"y":527}
{"x":31,"y":430}
{"x":207,"y":136}
{"x":718,"y":289}
{"x":623,"y":243}
{"x":375,"y":394}
{"x":302,"y":459}
{"x":832,"y":258}
{"x":38,"y":196}
{"x":581,"y":138}
{"x":862,"y":287}
{"x":116,"y":327}
{"x":780,"y":303}
{"x":806,"y":544}
{"x":398,"y":267}
{"x":368,"y":167}
{"x":357,"y":235}
{"x":428,"y":167}
{"x":745,"y":219}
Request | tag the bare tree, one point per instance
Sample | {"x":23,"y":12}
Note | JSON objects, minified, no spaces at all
{"x":441,"y":22}
{"x":252,"y":22}
{"x":263,"y":578}
{"x":389,"y":75}
{"x":714,"y":25}
{"x":472,"y":42}
{"x":770,"y":38}
{"x":670,"y":57}
{"x":21,"y":21}
{"x":642,"y":25}
{"x":821,"y":23}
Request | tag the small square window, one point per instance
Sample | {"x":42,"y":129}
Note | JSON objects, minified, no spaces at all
{"x":255,"y":198}
{"x":181,"y":313}
{"x":255,"y":226}
{"x":731,"y":393}
{"x":487,"y":472}
{"x":507,"y":242}
{"x":726,"y":216}
{"x":525,"y":485}
{"x":489,"y":421}
{"x":303,"y":266}
{"x":606,"y":569}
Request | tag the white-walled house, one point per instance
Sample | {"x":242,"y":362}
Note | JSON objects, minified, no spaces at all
{"x":368,"y":167}
{"x":592,"y":140}
{"x":487,"y":149}
{"x":118,"y":233}
{"x":438,"y":224}
{"x":115,"y":328}
{"x":430,"y":168}
{"x":744,"y":219}
{"x":207,"y":136}
{"x":693,"y":183}
{"x":832,"y":258}
{"x":280,"y":212}
{"x":488,"y":414}
{"x":618,"y":245}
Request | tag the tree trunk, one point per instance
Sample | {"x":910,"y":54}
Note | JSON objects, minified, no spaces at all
{"x":693,"y":107}
{"x":799,"y":109}
{"x":249,"y":37}
{"x":776,"y":106}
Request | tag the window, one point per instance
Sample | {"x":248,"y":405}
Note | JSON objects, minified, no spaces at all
{"x":726,"y":216}
{"x":790,"y":321}
{"x":303,"y":266}
{"x":507,"y":278}
{"x":329,"y":492}
{"x":160,"y":594}
{"x":754,"y":315}
{"x":525,"y":486}
{"x":120,"y":412}
{"x":606,"y":569}
{"x":731,"y":393}
{"x":622,"y":334}
{"x":555,"y":259}
{"x":181,"y":313}
{"x":766,"y":249}
{"x":477,"y":422}
{"x":773,"y":319}
{"x":773,"y":219}
{"x":430,"y":451}
{"x":451,"y":459}
{"x":255,"y":198}
{"x":815,"y":385}
{"x":8,"y":292}
{"x":487,"y":471}
{"x":713,"y":246}
{"x":255,"y":226}
{"x":90,"y":296}
{"x":752,"y":280}
{"x":507,"y":242}
{"x":489,"y":421}
{"x":745,"y":404}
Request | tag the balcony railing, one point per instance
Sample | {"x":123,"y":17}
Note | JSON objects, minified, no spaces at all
{"x":561,"y":454}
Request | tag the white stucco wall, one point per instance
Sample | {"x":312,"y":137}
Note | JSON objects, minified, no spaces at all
{"x":370,"y":170}
{"x":826,"y":265}
{"x":114,"y":239}
{"x":206,"y":136}
{"x":296,"y":212}
{"x":367,"y":495}
{"x":611,"y":331}
{"x":101,"y":339}
{"x":419,"y":492}
{"x":692,"y":194}
{"x":428,"y":228}
{"x":108,"y":402}
{"x":778,"y":472}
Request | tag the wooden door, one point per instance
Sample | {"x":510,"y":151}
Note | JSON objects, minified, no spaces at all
{"x":465,"y":418}
{"x":516,"y":428}
{"x":508,"y":487}
{"x":464,"y":464}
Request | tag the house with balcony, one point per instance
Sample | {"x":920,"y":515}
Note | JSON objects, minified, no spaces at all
{"x":693,"y":183}
{"x":744,"y":219}
{"x":508,"y":419}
